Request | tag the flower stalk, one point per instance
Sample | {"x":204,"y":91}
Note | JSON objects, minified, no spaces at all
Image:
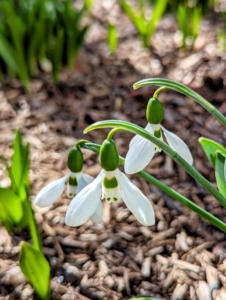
{"x":169,"y":191}
{"x":174,"y":155}
{"x":170,"y":84}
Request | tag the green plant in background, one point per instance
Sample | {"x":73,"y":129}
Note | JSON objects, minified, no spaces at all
{"x":112,"y":37}
{"x":16,"y":213}
{"x":189,"y":18}
{"x":145,"y":26}
{"x":206,"y":5}
{"x":39,"y":34}
{"x":221,"y":32}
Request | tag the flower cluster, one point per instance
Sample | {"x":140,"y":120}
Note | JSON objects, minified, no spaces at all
{"x":111,"y":183}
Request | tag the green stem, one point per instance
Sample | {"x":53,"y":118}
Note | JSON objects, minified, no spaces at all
{"x":173,"y":154}
{"x":156,"y":93}
{"x":170,"y":192}
{"x":33,"y":227}
{"x":184,"y":90}
{"x":111,"y":133}
{"x":80,"y":143}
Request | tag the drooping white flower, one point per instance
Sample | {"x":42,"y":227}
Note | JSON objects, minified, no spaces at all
{"x":141,"y":150}
{"x":111,"y":185}
{"x":52,"y":191}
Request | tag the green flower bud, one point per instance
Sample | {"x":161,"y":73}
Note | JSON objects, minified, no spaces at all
{"x":109,"y":158}
{"x":154,"y":111}
{"x":75,"y":160}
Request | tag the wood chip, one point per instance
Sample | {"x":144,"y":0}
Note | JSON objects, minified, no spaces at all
{"x":203,"y":291}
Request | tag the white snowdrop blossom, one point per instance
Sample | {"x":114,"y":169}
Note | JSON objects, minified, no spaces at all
{"x":52,"y":191}
{"x":111,"y":185}
{"x":141,"y":150}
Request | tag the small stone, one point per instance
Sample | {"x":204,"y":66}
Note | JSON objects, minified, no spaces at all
{"x":14,"y":276}
{"x":103,"y":268}
{"x":146,"y":267}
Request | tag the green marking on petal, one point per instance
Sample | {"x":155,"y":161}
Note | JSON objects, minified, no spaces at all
{"x":158,"y":133}
{"x":110,"y":183}
{"x":116,"y":199}
{"x":73,"y":181}
{"x":108,"y":198}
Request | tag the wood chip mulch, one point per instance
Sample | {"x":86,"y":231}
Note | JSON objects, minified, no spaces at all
{"x":182,"y":256}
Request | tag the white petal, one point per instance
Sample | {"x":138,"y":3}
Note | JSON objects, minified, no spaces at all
{"x":83,"y":182}
{"x":98,"y":214}
{"x":178,"y":145}
{"x":83,"y":206}
{"x":140,"y":153}
{"x":136,"y":138}
{"x":51,"y":192}
{"x":136,"y":202}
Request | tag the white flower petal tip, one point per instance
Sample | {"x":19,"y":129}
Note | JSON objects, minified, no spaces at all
{"x":136,"y":202}
{"x":51,"y":192}
{"x":178,"y":145}
{"x":139,"y":155}
{"x":85,"y":204}
{"x":97,"y":217}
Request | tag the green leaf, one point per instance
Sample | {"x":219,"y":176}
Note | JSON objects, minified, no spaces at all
{"x":20,"y":166}
{"x":158,"y":10}
{"x":11,"y":211}
{"x":220,"y":172}
{"x":210,"y":147}
{"x":112,"y":37}
{"x":37,"y":270}
{"x":8,"y":54}
{"x":137,"y":19}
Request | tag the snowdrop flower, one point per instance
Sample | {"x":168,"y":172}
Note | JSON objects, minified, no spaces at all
{"x":77,"y":180}
{"x":141,"y":150}
{"x":112,"y":185}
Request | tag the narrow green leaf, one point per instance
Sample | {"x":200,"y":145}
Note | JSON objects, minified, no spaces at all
{"x":112,"y":37}
{"x":37,"y":270}
{"x":10,"y":208}
{"x":88,"y":4}
{"x":196,"y":19}
{"x":210,"y":147}
{"x":6,"y":218}
{"x":20,"y":165}
{"x":157,"y":13}
{"x":7,"y":54}
{"x":137,"y":19}
{"x":220,"y":172}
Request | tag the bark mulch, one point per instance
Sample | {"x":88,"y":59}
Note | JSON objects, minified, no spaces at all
{"x":182,"y":256}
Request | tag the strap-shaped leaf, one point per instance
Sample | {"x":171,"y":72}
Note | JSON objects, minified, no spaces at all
{"x":20,"y":166}
{"x":11,"y":211}
{"x":220,"y":172}
{"x":112,"y":37}
{"x":35,"y":267}
{"x":210,"y":147}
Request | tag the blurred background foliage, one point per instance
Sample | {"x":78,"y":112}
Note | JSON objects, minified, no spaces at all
{"x":44,"y":35}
